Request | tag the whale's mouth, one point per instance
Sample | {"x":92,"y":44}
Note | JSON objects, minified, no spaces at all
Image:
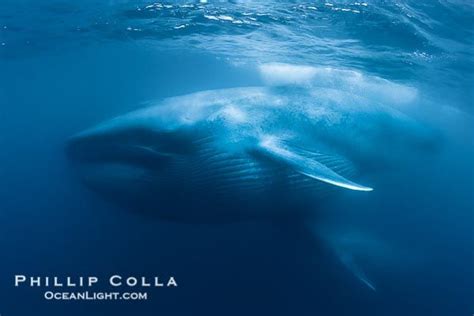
{"x":122,"y":163}
{"x":128,"y":144}
{"x":135,"y":168}
{"x":127,"y":159}
{"x":115,"y":150}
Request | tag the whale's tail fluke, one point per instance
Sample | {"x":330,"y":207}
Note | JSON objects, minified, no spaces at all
{"x":349,"y":249}
{"x":348,"y":260}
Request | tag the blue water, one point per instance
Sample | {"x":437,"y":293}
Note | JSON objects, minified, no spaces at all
{"x":66,"y":65}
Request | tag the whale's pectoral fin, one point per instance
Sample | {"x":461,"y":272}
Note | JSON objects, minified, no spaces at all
{"x":307,"y":166}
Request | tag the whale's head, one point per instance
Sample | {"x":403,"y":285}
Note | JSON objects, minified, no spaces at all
{"x":129,"y":158}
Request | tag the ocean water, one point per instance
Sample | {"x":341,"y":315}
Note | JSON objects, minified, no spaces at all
{"x":67,"y":65}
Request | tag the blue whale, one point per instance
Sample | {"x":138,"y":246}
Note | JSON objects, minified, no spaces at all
{"x":271,"y":151}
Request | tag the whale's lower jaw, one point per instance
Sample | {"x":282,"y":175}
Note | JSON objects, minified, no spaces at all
{"x":205,"y":186}
{"x":195,"y":188}
{"x":147,"y":191}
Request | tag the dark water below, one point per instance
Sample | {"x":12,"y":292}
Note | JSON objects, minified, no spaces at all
{"x":65,"y":66}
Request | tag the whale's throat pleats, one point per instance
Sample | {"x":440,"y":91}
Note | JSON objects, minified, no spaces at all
{"x":256,"y":173}
{"x":225,"y":173}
